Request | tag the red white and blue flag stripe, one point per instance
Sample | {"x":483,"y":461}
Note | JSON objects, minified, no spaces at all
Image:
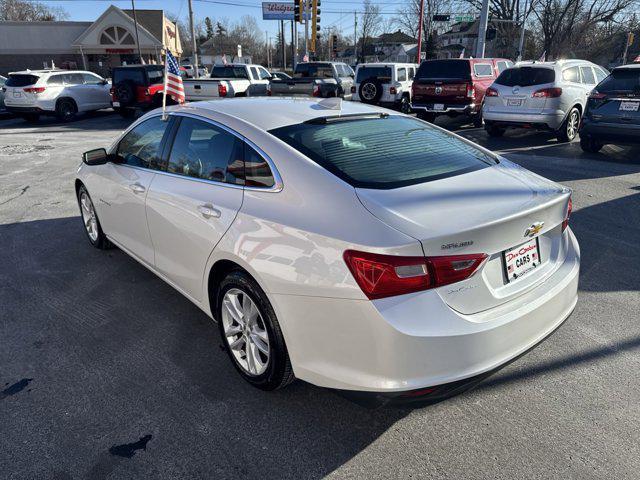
{"x":173,"y":81}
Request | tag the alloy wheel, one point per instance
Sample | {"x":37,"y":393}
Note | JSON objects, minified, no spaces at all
{"x":572,"y":125}
{"x":245,"y":332}
{"x":89,"y":216}
{"x":369,"y":91}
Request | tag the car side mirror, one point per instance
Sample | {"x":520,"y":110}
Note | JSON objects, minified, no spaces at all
{"x":95,"y":157}
{"x":104,"y":81}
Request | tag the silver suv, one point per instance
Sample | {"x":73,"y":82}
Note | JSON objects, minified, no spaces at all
{"x":542,"y":95}
{"x":63,"y":93}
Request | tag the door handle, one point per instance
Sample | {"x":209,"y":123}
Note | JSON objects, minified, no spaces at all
{"x":137,"y":188}
{"x":209,"y":211}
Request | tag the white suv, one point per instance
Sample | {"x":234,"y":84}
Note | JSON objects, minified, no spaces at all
{"x":63,"y":93}
{"x":385,"y":84}
{"x":543,"y":95}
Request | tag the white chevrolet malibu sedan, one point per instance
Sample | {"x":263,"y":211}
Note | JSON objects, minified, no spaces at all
{"x":342,"y":244}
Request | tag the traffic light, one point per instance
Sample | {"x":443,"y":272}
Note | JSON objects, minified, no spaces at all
{"x":315,"y":23}
{"x":334,"y":45}
{"x":297,"y":10}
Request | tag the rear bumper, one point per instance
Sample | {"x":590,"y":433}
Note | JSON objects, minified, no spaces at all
{"x":397,"y":345}
{"x":451,"y":109}
{"x":551,"y":120}
{"x":19,"y":110}
{"x":611,"y":132}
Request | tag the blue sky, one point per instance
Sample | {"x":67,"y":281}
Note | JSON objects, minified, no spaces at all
{"x":331,"y":16}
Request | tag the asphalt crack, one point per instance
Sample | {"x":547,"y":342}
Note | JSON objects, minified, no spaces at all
{"x":22,"y":192}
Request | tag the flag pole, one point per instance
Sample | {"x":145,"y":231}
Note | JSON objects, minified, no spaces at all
{"x":164,"y":91}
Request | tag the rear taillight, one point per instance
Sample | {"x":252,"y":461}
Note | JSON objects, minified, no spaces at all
{"x":222,"y":90}
{"x":471,"y":91}
{"x":353,"y":89}
{"x":381,"y":276}
{"x":565,"y":222}
{"x":596,"y":95}
{"x":392,"y":90}
{"x":547,"y":93}
{"x":34,"y":89}
{"x":491,"y":92}
{"x":112,"y":91}
{"x":316,"y":91}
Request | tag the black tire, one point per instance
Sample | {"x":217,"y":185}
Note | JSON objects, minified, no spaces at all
{"x":370,"y":91}
{"x":125,"y":93}
{"x":30,"y":117}
{"x":569,"y":128}
{"x":477,"y":119}
{"x":100,"y":241}
{"x":494,"y":130}
{"x":279,"y":372}
{"x":590,"y":145}
{"x":66,"y":110}
{"x":405,"y":105}
{"x":427,"y":116}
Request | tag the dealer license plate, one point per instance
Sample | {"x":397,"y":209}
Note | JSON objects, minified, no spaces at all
{"x":520,"y":260}
{"x":438,"y":106}
{"x":116,"y":104}
{"x":514,"y":102}
{"x":629,"y":106}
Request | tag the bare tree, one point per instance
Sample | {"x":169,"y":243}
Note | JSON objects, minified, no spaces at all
{"x":370,"y":22}
{"x":564,"y":24}
{"x":407,"y":16}
{"x":28,"y":11}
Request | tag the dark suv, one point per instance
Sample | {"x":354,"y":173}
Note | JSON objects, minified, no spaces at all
{"x":612,"y":114}
{"x":137,"y":87}
{"x":454,"y":87}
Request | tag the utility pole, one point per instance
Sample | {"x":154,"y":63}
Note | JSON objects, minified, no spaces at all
{"x":135,"y":24}
{"x":294,"y":43}
{"x":306,"y":27}
{"x":193,"y":41}
{"x":521,"y":43}
{"x":482,"y":29}
{"x":283,"y":45}
{"x":355,"y":36}
{"x":420,"y":20}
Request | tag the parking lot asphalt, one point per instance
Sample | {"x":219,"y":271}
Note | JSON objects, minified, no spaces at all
{"x":107,"y":372}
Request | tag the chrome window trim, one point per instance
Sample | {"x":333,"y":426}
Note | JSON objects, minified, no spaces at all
{"x":277,"y":186}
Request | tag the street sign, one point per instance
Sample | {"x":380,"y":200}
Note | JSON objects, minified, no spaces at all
{"x":279,"y":11}
{"x":441,"y":18}
{"x":464,"y":18}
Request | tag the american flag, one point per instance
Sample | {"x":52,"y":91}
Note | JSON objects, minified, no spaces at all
{"x":173,"y":81}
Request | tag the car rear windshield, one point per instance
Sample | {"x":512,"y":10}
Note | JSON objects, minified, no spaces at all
{"x":135,"y":75}
{"x":229,"y":72}
{"x":623,"y":81}
{"x":382,"y":74}
{"x":21,"y":80}
{"x":444,"y":69}
{"x":316,"y":70}
{"x":384,"y":153}
{"x":526,"y":76}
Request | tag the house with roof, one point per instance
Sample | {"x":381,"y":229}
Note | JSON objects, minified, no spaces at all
{"x":99,"y":45}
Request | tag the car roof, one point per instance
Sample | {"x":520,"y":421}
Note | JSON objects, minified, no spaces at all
{"x":282,"y":111}
{"x":555,"y":63}
{"x":384,"y":64}
{"x":43,"y":72}
{"x":631,"y":66}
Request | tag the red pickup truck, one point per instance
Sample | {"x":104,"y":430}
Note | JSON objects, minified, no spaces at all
{"x":454,"y":86}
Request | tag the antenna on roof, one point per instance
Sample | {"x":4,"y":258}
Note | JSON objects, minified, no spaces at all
{"x":331,"y":103}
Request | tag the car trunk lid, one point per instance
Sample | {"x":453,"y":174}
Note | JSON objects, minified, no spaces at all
{"x":485,"y":211}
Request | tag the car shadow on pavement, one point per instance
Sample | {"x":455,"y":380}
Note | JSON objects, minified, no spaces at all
{"x":114,"y":357}
{"x":98,"y":120}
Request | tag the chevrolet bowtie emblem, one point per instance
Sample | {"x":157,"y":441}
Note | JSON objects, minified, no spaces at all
{"x":534,"y":229}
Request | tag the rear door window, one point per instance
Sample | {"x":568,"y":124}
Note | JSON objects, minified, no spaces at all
{"x":483,"y":70}
{"x":382,"y":74}
{"x":19,"y":80}
{"x":600,"y":74}
{"x":444,"y":69}
{"x":385,"y":152}
{"x":55,"y":80}
{"x":229,"y":71}
{"x":412,"y":73}
{"x":202,"y":150}
{"x":142,"y":146}
{"x":402,"y":74}
{"x":587,"y":76}
{"x":526,"y":76}
{"x":155,"y":75}
{"x":254,"y":73}
{"x":90,"y":79}
{"x":571,"y":75}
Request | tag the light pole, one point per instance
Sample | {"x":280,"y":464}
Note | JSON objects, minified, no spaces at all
{"x":482,"y":29}
{"x":135,"y":23}
{"x":420,"y":20}
{"x":193,"y":40}
{"x":521,"y":43}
